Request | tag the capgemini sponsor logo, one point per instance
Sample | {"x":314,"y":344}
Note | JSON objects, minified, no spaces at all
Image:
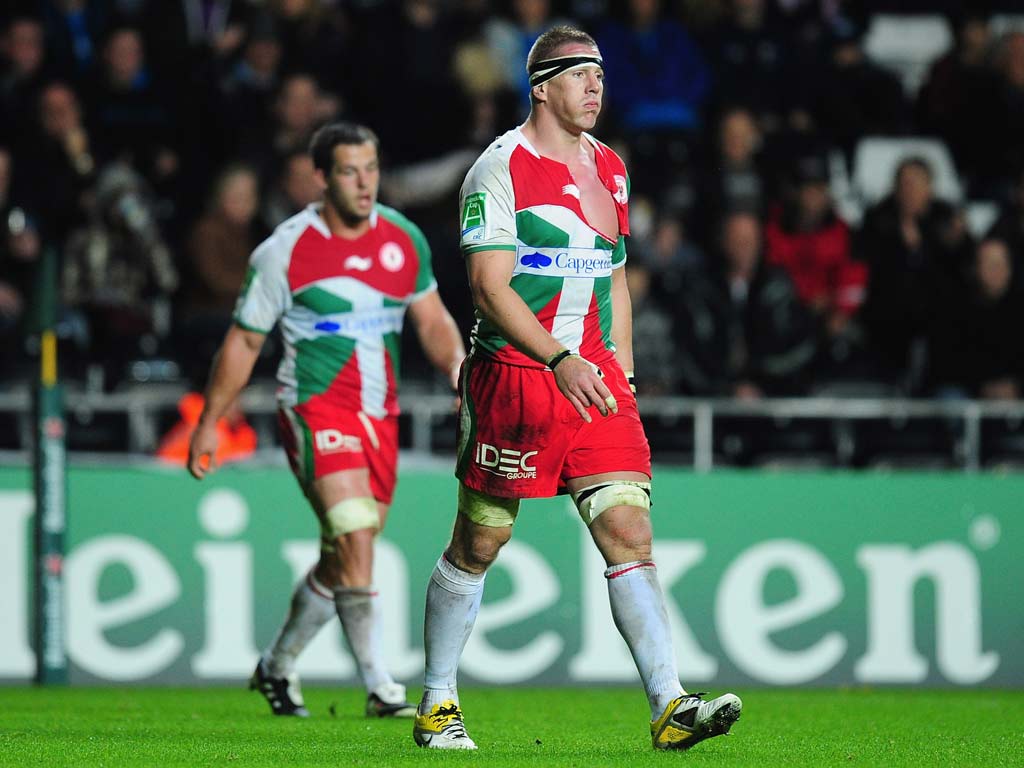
{"x":583,"y":265}
{"x":535,"y":260}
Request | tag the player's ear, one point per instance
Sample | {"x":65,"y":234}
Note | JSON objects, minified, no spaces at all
{"x":540,"y":92}
{"x":321,"y":179}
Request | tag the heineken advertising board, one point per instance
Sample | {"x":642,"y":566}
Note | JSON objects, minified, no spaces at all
{"x":771,"y":579}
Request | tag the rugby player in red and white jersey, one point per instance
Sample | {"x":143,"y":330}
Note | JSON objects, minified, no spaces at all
{"x":339,"y":277}
{"x":547,"y":405}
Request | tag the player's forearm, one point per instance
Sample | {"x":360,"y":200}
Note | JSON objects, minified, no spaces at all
{"x":503,"y":307}
{"x":624,"y":350}
{"x":442,"y":343}
{"x":231,"y":370}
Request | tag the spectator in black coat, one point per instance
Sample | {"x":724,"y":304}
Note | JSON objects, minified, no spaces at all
{"x":732,"y":176}
{"x":55,"y":173}
{"x":299,"y":108}
{"x":1009,"y":227}
{"x":294,"y":187}
{"x":1001,"y":123}
{"x":955,"y":93}
{"x":856,"y":97}
{"x":976,"y":343}
{"x":130,"y":111}
{"x":917,"y":249}
{"x":22,"y":74}
{"x":741,"y":329}
{"x":19,"y":255}
{"x":655,"y":360}
{"x":314,"y":38}
{"x":424,"y":33}
{"x":753,"y":63}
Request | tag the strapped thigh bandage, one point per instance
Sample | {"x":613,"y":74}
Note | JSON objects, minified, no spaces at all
{"x":595,"y":499}
{"x":482,"y":509}
{"x":350,"y":515}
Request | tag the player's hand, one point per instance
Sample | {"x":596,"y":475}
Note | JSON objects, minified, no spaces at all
{"x":580,"y":381}
{"x":202,"y":449}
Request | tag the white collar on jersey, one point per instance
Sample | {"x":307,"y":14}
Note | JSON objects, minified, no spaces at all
{"x":533,"y":151}
{"x":314,"y":209}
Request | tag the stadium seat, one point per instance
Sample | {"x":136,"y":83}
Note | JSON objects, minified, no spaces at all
{"x":981,"y":215}
{"x":876,"y":158}
{"x":907,"y":45}
{"x":848,"y":206}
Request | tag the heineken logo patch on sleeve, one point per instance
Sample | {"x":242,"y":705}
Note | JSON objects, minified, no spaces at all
{"x":474,"y":214}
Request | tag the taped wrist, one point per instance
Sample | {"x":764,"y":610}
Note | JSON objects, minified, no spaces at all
{"x":558,"y":357}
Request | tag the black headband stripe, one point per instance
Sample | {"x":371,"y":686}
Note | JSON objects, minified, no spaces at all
{"x":542,"y":71}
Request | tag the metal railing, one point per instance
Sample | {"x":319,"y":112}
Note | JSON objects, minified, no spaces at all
{"x":145,"y":405}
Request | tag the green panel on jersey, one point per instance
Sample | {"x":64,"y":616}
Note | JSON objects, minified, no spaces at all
{"x":486,"y":336}
{"x":393,"y":345}
{"x":250,"y":275}
{"x":322,"y":302}
{"x":318,"y":362}
{"x":619,"y":253}
{"x":388,"y":302}
{"x":533,"y":230}
{"x":425,"y":274}
{"x":536,"y":290}
{"x":601,"y":243}
{"x":603,"y":296}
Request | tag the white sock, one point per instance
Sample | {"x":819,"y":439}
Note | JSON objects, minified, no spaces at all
{"x":361,"y":621}
{"x":312,"y":606}
{"x":453,"y":600}
{"x":638,"y":608}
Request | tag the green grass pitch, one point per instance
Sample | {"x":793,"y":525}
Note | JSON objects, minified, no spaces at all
{"x":515,"y":727}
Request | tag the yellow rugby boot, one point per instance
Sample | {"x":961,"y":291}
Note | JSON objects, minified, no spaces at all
{"x":442,"y":728}
{"x":688,"y":720}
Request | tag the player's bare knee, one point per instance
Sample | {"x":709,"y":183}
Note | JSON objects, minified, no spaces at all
{"x":633,"y":537}
{"x":474,"y":548}
{"x":478,"y":558}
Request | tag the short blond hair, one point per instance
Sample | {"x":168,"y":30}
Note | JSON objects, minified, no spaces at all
{"x":545,"y":46}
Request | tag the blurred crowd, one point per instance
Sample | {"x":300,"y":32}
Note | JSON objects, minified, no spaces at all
{"x":153,"y":144}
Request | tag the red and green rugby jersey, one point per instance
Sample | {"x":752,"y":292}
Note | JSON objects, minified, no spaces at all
{"x":514,"y":199}
{"x":341,"y":304}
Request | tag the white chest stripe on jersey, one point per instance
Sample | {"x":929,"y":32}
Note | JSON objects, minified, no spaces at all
{"x":362,"y":322}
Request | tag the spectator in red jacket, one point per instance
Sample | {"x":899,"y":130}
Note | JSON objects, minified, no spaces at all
{"x":806,"y":237}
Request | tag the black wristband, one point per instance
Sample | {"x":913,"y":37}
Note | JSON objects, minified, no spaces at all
{"x":631,"y":380}
{"x":558,"y":358}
